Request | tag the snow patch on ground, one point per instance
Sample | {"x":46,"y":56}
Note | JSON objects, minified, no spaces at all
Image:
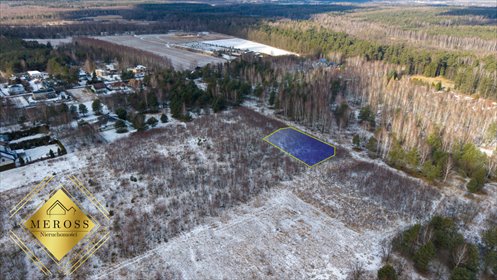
{"x":33,"y":173}
{"x":246,"y":45}
{"x":41,"y":151}
{"x":285,"y":237}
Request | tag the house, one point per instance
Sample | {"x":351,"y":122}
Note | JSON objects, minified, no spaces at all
{"x":99,"y":88}
{"x":35,"y":74}
{"x":44,"y":94}
{"x":111,"y":69}
{"x":82,"y":75}
{"x":16,"y":89}
{"x":100,"y":72}
{"x":139,"y":69}
{"x":118,"y":86}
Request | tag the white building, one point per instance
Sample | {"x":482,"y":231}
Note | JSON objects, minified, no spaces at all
{"x":35,"y":74}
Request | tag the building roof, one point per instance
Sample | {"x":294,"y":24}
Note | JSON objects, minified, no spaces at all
{"x":44,"y":90}
{"x":34,"y":73}
{"x":99,"y":86}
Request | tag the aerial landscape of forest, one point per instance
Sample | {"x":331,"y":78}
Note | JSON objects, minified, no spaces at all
{"x":248,"y":139}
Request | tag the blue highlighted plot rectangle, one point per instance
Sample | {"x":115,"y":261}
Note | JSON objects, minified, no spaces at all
{"x":301,"y":146}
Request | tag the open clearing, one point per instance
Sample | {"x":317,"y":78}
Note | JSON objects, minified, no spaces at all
{"x":446,"y":83}
{"x":189,"y":50}
{"x":163,"y":45}
{"x":278,"y":236}
{"x":233,"y":207}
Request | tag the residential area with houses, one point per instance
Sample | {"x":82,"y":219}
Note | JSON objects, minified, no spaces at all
{"x":27,"y":89}
{"x":34,"y":91}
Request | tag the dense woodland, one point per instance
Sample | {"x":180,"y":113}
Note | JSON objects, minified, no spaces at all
{"x":479,"y":38}
{"x":439,"y":242}
{"x":470,"y":73}
{"x":419,"y":128}
{"x":18,"y":56}
{"x":416,"y":130}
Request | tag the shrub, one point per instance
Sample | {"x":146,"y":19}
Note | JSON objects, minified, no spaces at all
{"x":121,"y":113}
{"x":152,"y":121}
{"x":431,"y":171}
{"x":120,"y":126}
{"x":438,"y":86}
{"x":96,"y":106}
{"x":372,"y":147}
{"x":477,"y":180}
{"x":139,"y":122}
{"x":407,"y":242}
{"x":387,"y":272}
{"x":366,"y":114}
{"x":423,"y":256}
{"x":461,"y":273}
{"x":356,"y":140}
{"x":163,"y":118}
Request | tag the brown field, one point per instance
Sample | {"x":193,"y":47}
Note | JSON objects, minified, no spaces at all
{"x":446,"y":83}
{"x":29,"y":14}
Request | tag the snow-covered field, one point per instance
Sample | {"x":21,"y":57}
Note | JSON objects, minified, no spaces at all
{"x":186,"y":51}
{"x":288,"y":222}
{"x":276,"y":236}
{"x":162,"y":45}
{"x":41,"y":151}
{"x":246,"y":45}
{"x":31,"y":174}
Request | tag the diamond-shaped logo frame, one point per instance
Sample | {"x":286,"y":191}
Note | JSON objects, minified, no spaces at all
{"x":88,"y":244}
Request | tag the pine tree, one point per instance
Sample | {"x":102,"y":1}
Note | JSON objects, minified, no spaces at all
{"x":163,"y":118}
{"x":387,"y":272}
{"x":438,"y":86}
{"x":82,"y":109}
{"x":121,"y":113}
{"x":152,"y":121}
{"x":356,"y":140}
{"x":423,"y":256}
{"x":372,"y":147}
{"x":97,"y":106}
{"x":139,"y":122}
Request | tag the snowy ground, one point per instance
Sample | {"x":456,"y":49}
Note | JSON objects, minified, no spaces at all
{"x":163,"y":45}
{"x":276,"y":236}
{"x":19,"y":101}
{"x":41,"y":151}
{"x":310,"y":227}
{"x":176,"y":47}
{"x":30,"y":174}
{"x":246,"y":45}
{"x":111,"y":135}
{"x":30,"y":137}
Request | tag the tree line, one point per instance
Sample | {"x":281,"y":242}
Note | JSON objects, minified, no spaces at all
{"x":440,"y":240}
{"x":471,"y":74}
